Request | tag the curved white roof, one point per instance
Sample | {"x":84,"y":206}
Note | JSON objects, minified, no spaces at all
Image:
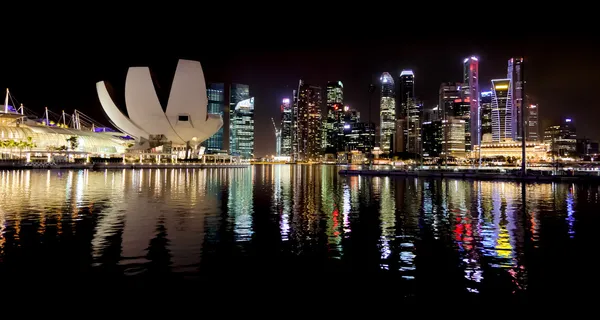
{"x":185,"y":119}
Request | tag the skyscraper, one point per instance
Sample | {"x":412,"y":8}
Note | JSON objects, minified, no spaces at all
{"x":333,"y":124}
{"x":501,"y":110}
{"x":216,"y":105}
{"x":387,"y":111}
{"x":241,"y":118}
{"x":515,"y":74}
{"x":286,"y":128}
{"x":449,"y":97}
{"x":308,"y":134}
{"x":471,"y":93}
{"x":486,"y":116}
{"x":413,"y":117}
{"x":407,"y":92}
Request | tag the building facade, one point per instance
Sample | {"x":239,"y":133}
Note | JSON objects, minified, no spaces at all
{"x":485,"y":103}
{"x":502,"y":118}
{"x":387,"y":112}
{"x":471,"y":94}
{"x":241,"y":118}
{"x":332,"y":124}
{"x":217,"y":105}
{"x":286,"y":128}
{"x":308,"y":132}
{"x":406,"y":92}
{"x":515,"y":74}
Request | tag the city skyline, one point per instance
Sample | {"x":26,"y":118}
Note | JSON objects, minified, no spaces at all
{"x":273,"y":72}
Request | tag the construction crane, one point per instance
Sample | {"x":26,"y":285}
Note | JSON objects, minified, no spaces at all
{"x":277,"y":139}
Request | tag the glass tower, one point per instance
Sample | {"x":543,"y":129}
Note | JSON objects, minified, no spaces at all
{"x":387,"y":112}
{"x":502,"y":110}
{"x":216,"y":105}
{"x":241,"y":121}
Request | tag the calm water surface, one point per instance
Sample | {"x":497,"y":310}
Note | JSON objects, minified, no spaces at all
{"x":299,"y":224}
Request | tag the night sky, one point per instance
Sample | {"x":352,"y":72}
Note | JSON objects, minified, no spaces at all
{"x":59,"y":70}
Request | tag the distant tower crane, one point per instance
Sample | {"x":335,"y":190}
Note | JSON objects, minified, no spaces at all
{"x":277,"y":139}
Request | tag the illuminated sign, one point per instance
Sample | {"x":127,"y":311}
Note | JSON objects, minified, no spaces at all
{"x":346,"y":126}
{"x":567,"y":120}
{"x":286,"y":100}
{"x":501,"y":87}
{"x":533,"y":106}
{"x":486,"y":93}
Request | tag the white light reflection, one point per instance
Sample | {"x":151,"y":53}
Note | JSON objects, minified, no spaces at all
{"x":570,"y":212}
{"x":387,"y":218}
{"x":346,"y":210}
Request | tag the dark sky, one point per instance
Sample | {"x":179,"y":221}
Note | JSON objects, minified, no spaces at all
{"x":59,"y":69}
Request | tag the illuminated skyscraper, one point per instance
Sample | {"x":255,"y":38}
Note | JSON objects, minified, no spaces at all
{"x":333,"y":124}
{"x":387,"y":112}
{"x":515,"y":74}
{"x":286,"y":127}
{"x":486,"y":116}
{"x":241,"y":117}
{"x":215,"y":93}
{"x":502,"y":110}
{"x":413,"y":119}
{"x":471,"y":93}
{"x":308,"y":131}
{"x":407,"y":92}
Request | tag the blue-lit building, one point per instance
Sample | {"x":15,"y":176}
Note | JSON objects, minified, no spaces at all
{"x":241,"y":121}
{"x":216,"y":105}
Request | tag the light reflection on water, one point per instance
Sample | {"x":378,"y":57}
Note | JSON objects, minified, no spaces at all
{"x":473,"y":236}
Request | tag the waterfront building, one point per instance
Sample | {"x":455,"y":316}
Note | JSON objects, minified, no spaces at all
{"x":387,"y":112}
{"x":502,"y":110}
{"x":241,"y":136}
{"x":186,"y":122}
{"x":470,"y":92}
{"x":286,"y":127}
{"x":516,"y":75}
{"x":217,"y":105}
{"x":308,"y":130}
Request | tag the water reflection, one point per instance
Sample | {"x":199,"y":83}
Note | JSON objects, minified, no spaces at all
{"x":480,"y":237}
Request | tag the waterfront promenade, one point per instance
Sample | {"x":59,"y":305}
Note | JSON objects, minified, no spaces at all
{"x":533,"y":175}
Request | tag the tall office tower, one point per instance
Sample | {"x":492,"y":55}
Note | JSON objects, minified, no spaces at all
{"x":532,"y":123}
{"x":471,"y":91}
{"x":308,"y":134}
{"x":453,"y":142}
{"x":406,"y":93}
{"x":387,"y":112}
{"x":432,"y":139}
{"x":241,"y":132}
{"x":517,"y":80}
{"x":455,"y":100}
{"x":485,"y":103}
{"x":332,"y":135}
{"x":502,"y":110}
{"x":216,"y":105}
{"x":449,"y":95}
{"x":294,"y":154}
{"x":286,"y":127}
{"x":413,"y":120}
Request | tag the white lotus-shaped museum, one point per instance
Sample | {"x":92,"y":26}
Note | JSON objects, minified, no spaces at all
{"x":185,"y":120}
